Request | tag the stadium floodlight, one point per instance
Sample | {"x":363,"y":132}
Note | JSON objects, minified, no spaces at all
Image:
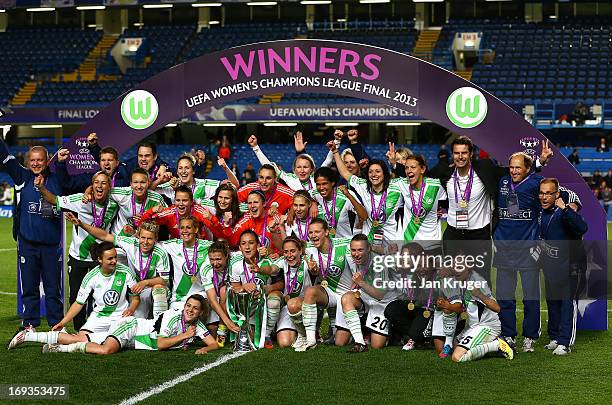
{"x":427,"y":1}
{"x":85,"y":8}
{"x":341,"y":20}
{"x":341,"y":124}
{"x":92,"y":25}
{"x":2,"y":10}
{"x":314,"y":2}
{"x":220,"y":124}
{"x":214,"y":22}
{"x":206,"y":5}
{"x":262,"y":3}
{"x":46,"y":126}
{"x":171,"y":125}
{"x":403,"y":124}
{"x":37,"y":9}
{"x":498,"y":0}
{"x":374,"y":1}
{"x":157,"y":6}
{"x":280,"y":124}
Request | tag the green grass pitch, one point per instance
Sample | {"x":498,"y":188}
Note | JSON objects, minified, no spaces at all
{"x":326,"y":375}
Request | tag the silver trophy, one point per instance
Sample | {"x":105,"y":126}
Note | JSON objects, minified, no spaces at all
{"x":241,"y":303}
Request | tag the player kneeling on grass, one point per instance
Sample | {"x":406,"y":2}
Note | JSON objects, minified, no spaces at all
{"x":172,"y":330}
{"x":363,"y":297}
{"x":110,"y":282}
{"x":482,"y":335}
{"x":286,"y":313}
{"x":148,"y":261}
{"x":214,"y":280}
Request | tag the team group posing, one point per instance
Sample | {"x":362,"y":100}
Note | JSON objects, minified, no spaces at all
{"x":157,"y":276}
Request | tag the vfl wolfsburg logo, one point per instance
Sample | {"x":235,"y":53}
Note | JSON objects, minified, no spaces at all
{"x":139,"y":109}
{"x":466,"y":107}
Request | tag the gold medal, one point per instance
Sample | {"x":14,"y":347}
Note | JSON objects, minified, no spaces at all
{"x":426,"y":313}
{"x":411,"y":306}
{"x":375,"y":223}
{"x":463,"y":204}
{"x":194,"y":279}
{"x":417,"y":220}
{"x":324,"y":283}
{"x":464,"y":316}
{"x":357,"y":294}
{"x":332,"y":232}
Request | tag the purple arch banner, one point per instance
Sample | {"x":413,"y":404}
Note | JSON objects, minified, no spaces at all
{"x":352,"y":70}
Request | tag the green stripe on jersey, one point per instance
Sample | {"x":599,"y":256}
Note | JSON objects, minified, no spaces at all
{"x":432,"y":187}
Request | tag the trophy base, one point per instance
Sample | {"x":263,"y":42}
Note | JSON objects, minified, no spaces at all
{"x":243,"y":342}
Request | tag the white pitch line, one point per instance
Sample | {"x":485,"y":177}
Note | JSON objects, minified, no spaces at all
{"x":169,"y":384}
{"x":7,"y":293}
{"x":8,"y":249}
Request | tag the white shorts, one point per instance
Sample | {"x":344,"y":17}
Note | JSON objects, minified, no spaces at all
{"x":146,"y":303}
{"x":284,"y":320}
{"x":376,"y":320}
{"x":437,"y":329}
{"x":97,"y":324}
{"x":335,"y":301}
{"x":129,"y":328}
{"x":477,"y":335}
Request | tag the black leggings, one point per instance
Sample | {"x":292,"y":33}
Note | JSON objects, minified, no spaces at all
{"x":406,"y":323}
{"x":77,"y":270}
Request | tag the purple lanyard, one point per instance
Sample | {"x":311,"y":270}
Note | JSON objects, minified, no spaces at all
{"x":420,"y":203}
{"x":113,"y":179}
{"x":154,"y":172}
{"x":184,"y":329}
{"x":329,"y":257}
{"x":268,"y":199}
{"x":309,"y":185}
{"x":247,"y":272}
{"x":143,"y":271}
{"x":217,"y":283}
{"x":465,"y":196}
{"x":293,"y":282}
{"x":193,"y":267}
{"x":142,"y":206}
{"x":303,"y":236}
{"x":377,"y":212}
{"x":513,"y":187}
{"x":177,"y":217}
{"x":98,"y":221}
{"x":331,"y":219}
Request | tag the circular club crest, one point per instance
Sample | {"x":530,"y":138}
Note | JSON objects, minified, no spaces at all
{"x":466,"y":107}
{"x":110,"y":298}
{"x":139,"y":109}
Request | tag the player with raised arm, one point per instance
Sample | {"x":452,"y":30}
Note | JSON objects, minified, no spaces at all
{"x":337,"y":205}
{"x":100,"y":212}
{"x":421,"y":197}
{"x":201,"y":189}
{"x":381,"y":197}
{"x":326,"y":258}
{"x":363,"y":297}
{"x":274,"y":193}
{"x":148,"y":261}
{"x":109,"y":283}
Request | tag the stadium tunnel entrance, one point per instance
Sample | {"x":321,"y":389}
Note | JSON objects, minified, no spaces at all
{"x":345,"y":69}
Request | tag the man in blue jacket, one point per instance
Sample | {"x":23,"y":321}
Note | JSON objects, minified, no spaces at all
{"x":559,"y":225}
{"x":36,"y":228}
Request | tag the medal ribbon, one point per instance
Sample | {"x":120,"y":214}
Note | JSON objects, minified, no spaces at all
{"x":142,"y":207}
{"x":217,"y":283}
{"x":193,"y":268}
{"x":248,"y":272}
{"x":98,"y":221}
{"x":377,"y":212}
{"x":420,"y":203}
{"x":329,"y":257}
{"x":143,"y":271}
{"x":186,"y":342}
{"x":465,"y":195}
{"x":153,"y":172}
{"x":303,"y":236}
{"x":331,"y":219}
{"x":262,"y":238}
{"x":513,"y":187}
{"x":293,"y":282}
